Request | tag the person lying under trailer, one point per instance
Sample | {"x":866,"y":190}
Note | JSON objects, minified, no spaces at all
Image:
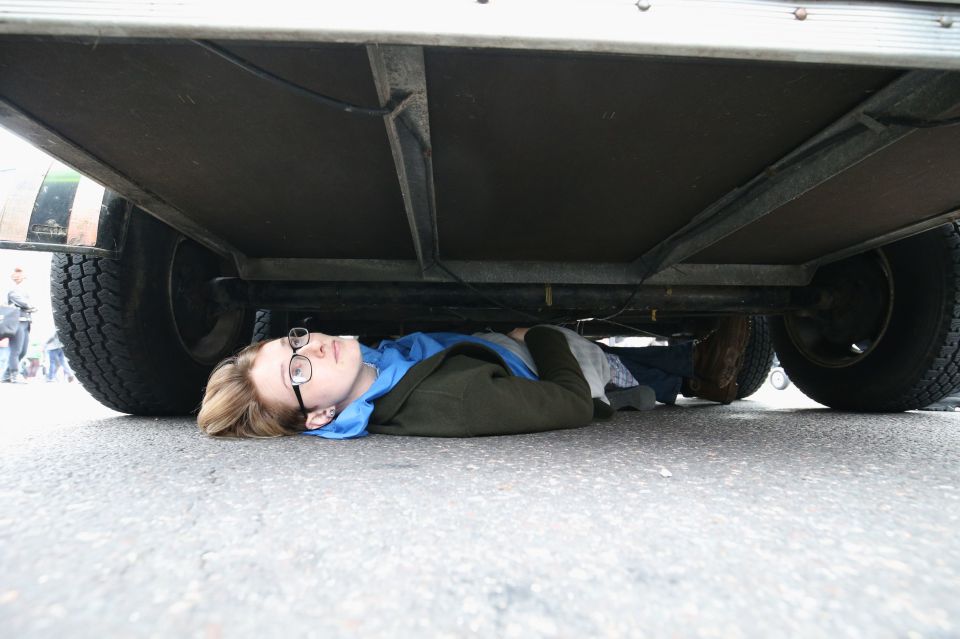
{"x":452,"y":385}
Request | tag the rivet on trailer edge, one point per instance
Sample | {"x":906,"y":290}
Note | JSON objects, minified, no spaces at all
{"x":643,"y":5}
{"x":946,"y":21}
{"x":800,"y":13}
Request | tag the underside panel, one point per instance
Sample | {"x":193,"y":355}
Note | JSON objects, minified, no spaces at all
{"x":549,"y":157}
{"x":542,"y":157}
{"x":915,"y":179}
{"x":264,"y":168}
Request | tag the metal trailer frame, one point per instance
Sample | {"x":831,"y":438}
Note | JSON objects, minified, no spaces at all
{"x":919,"y":36}
{"x":827,"y":124}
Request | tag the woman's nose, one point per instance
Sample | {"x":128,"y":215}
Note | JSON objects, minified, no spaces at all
{"x":319,"y":348}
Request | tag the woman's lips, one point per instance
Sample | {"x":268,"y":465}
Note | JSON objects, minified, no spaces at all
{"x":336,"y":352}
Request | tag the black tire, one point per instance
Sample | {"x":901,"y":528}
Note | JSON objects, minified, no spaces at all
{"x":271,"y":324}
{"x":909,"y":356}
{"x":757,"y":358}
{"x":140,"y":332}
{"x":261,"y":326}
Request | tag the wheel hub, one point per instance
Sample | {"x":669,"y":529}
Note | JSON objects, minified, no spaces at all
{"x":861,"y":293}
{"x":205,"y":333}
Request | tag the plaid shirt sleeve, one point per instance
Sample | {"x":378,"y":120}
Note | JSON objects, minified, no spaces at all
{"x":619,"y":375}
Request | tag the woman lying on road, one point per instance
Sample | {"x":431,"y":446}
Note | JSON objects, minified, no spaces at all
{"x":452,"y":385}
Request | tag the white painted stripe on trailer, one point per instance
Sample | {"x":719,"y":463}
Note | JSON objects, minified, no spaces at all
{"x":18,"y":207}
{"x":85,"y":214}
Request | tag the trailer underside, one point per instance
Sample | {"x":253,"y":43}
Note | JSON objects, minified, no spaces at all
{"x":514,"y":166}
{"x":386,"y":167}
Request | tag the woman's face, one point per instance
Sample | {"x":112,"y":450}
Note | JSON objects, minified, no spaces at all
{"x":336,"y":380}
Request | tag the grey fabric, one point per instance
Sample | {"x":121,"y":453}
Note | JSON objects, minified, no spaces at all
{"x":18,"y":296}
{"x":9,"y":321}
{"x":637,"y":398}
{"x":592,"y":359}
{"x":18,"y":348}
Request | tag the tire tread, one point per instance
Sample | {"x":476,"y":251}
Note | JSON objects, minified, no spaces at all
{"x":942,"y":376}
{"x":89,"y":319}
{"x":757,"y":358}
{"x":928,"y":373}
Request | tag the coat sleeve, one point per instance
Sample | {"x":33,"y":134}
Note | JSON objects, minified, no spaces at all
{"x":500,"y":404}
{"x":19,"y":299}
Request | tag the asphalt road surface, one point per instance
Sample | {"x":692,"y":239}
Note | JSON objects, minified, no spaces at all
{"x":765,"y":518}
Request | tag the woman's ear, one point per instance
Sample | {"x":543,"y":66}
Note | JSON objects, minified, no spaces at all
{"x":320,"y":417}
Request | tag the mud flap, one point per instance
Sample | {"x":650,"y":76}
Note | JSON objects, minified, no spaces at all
{"x":47,"y":206}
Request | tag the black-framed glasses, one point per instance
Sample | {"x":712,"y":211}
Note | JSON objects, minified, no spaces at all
{"x":299,"y":368}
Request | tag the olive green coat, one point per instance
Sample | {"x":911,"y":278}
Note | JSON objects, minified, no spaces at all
{"x":467,"y":390}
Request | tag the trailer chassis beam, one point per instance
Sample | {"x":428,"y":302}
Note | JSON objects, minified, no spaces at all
{"x":882,"y":120}
{"x":357,"y":297}
{"x":400,"y":76}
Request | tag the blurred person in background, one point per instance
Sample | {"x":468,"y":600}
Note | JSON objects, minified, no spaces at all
{"x":32,"y":365}
{"x":18,"y":296}
{"x":4,"y":352}
{"x":56,"y":360}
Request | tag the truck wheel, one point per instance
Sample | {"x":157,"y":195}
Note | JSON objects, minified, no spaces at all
{"x":273,"y":324}
{"x":141,"y":333}
{"x":757,"y":358}
{"x":890,"y":340}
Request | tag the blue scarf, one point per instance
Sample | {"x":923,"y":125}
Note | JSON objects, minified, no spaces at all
{"x":393,"y":358}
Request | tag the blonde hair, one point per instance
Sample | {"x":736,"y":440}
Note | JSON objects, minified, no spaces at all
{"x":232,"y":408}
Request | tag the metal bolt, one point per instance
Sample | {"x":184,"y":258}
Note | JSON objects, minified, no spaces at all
{"x":643,"y":5}
{"x":946,"y":22}
{"x":800,"y":14}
